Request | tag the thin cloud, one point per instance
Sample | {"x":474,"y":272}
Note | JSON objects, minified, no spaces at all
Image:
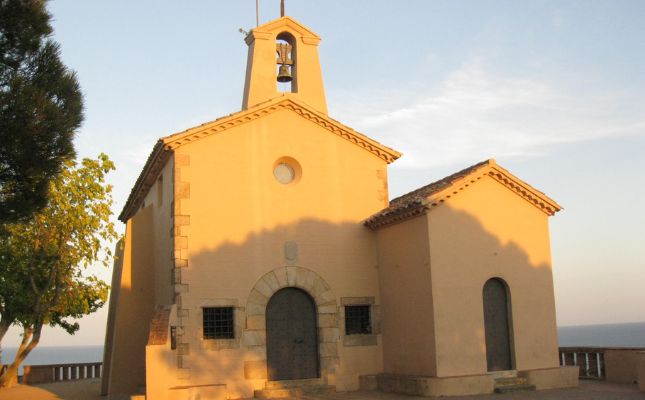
{"x":136,"y":155}
{"x":475,"y":114}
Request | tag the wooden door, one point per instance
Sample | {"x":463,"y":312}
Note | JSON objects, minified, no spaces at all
{"x":292,"y":340}
{"x":496,"y":323}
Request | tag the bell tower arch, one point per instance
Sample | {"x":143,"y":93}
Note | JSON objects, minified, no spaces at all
{"x":283,"y":49}
{"x":286,"y":50}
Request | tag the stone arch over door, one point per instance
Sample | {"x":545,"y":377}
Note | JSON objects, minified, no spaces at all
{"x":498,"y":325}
{"x":254,"y":335}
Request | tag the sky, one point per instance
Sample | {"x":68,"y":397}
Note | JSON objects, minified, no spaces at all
{"x":554,"y":91}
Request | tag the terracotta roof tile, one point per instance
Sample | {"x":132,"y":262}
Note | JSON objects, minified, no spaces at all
{"x":412,"y":203}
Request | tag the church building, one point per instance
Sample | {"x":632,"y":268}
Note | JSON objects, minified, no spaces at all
{"x":263,"y":258}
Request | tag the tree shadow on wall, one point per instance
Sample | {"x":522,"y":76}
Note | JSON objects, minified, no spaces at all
{"x":463,"y":255}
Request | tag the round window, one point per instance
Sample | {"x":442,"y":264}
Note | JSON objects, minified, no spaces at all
{"x":284,"y":173}
{"x":286,"y":170}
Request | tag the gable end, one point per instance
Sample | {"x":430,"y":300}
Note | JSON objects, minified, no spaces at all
{"x":283,"y":102}
{"x":424,"y":199}
{"x":166,"y":145}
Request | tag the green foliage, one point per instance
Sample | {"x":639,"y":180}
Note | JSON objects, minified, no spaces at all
{"x":41,"y":106}
{"x":43,"y":276}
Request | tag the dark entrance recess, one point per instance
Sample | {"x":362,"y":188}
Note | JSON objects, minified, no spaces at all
{"x":496,"y":322}
{"x":292,"y":340}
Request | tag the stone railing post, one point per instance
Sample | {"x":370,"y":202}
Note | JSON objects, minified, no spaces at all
{"x":34,"y":374}
{"x":590,"y":360}
{"x":641,"y":370}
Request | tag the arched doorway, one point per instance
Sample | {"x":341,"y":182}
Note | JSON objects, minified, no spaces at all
{"x":497,"y":325}
{"x":292,"y":340}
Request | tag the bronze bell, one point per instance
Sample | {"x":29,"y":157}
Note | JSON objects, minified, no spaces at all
{"x":284,"y":74}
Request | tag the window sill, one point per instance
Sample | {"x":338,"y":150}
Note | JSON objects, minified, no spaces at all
{"x":220,"y":344}
{"x":360,"y":340}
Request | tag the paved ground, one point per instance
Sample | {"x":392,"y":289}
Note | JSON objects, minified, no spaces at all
{"x":78,"y":390}
{"x":89,"y":390}
{"x":587,"y":391}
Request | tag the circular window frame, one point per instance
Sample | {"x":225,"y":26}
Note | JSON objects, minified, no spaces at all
{"x":291,"y":163}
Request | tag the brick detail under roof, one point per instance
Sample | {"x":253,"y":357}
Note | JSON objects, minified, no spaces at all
{"x":159,"y":326}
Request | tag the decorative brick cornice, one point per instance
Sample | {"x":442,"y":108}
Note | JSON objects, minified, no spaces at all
{"x":153,"y":166}
{"x":413,"y":210}
{"x":516,"y":185}
{"x":287,"y":101}
{"x":523,"y":189}
{"x":277,"y":25}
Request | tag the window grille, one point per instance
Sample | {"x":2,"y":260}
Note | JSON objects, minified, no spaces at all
{"x":357,"y":320}
{"x":173,"y":338}
{"x":218,"y":323}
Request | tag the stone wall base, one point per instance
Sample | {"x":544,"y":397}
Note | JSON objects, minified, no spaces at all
{"x":214,"y":392}
{"x":641,"y":371}
{"x":431,"y":386}
{"x":552,"y":378}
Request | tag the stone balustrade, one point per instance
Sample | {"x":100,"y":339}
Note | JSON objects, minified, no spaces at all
{"x":613,"y":364}
{"x":34,"y":374}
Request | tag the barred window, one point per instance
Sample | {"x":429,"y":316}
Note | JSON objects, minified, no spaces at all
{"x":173,"y":338}
{"x":357,"y":320}
{"x":218,"y":323}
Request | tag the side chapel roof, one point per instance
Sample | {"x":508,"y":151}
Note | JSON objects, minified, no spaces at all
{"x":165,"y":145}
{"x":425,"y":198}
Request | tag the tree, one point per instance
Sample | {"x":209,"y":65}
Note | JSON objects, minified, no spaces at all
{"x":41,"y":106}
{"x":43,"y":262}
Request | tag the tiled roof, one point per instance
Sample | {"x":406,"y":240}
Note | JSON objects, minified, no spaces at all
{"x":416,"y":202}
{"x":412,"y":203}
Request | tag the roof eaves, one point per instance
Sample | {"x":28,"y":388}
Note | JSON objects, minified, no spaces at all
{"x":155,"y":162}
{"x":285,"y":101}
{"x":166,"y":145}
{"x":422,"y":200}
{"x":529,"y":193}
{"x":287,"y":21}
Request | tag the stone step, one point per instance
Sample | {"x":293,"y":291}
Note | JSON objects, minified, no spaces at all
{"x":511,"y":373}
{"x":499,"y":382}
{"x":514,"y":388}
{"x":286,"y":392}
{"x":293,"y":383}
{"x":509,"y":383}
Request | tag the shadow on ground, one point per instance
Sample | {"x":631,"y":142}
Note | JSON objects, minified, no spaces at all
{"x":588,"y":390}
{"x":76,"y":390}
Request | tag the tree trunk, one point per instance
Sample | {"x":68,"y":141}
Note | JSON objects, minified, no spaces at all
{"x":5,"y":323}
{"x":10,"y":377}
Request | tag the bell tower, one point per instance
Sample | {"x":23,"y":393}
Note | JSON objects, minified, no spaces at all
{"x":283,"y":58}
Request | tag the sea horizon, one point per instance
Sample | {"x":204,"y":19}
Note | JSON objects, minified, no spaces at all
{"x":45,"y":355}
{"x":602,"y":324}
{"x":628,"y":334}
{"x":625,"y":334}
